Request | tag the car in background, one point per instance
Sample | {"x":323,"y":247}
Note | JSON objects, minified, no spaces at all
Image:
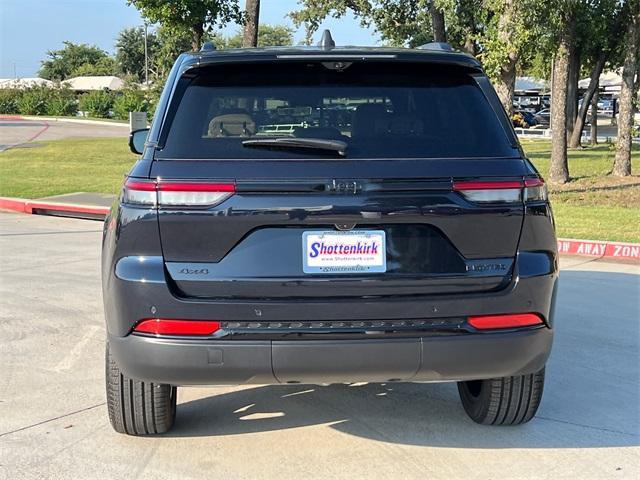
{"x":544,"y":115}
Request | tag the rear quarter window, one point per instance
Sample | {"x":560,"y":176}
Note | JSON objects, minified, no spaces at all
{"x":380,"y":110}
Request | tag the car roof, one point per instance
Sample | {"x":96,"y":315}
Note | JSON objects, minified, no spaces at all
{"x":346,"y":53}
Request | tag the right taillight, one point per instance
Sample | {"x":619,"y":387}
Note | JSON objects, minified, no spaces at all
{"x":502,"y":191}
{"x":176,"y":194}
{"x":534,"y":190}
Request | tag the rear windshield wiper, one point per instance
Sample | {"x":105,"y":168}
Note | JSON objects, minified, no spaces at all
{"x":337,"y":146}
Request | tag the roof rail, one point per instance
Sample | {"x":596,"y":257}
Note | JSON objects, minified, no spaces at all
{"x":440,"y":46}
{"x":326,"y":42}
{"x":208,"y":47}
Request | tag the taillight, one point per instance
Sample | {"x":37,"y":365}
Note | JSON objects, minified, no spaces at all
{"x":164,"y":326}
{"x":138,"y":192}
{"x":502,"y":191}
{"x":534,"y":190}
{"x":176,"y":194}
{"x":491,"y":322}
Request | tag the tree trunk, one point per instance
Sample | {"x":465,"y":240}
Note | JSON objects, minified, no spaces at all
{"x":507,"y":78}
{"x":506,"y":84}
{"x":622,"y":163}
{"x":559,"y":171}
{"x":572,"y":90}
{"x":594,"y":116}
{"x":197,"y":32}
{"x":469,"y":46}
{"x":250,"y":36}
{"x":437,"y":21}
{"x":576,"y":133}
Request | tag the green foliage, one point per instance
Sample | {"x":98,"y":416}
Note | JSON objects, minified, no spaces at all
{"x":130,"y":52}
{"x":104,"y":66}
{"x":130,"y":100}
{"x":9,"y":98}
{"x":38,"y":101}
{"x":62,"y":102}
{"x":33,"y":101}
{"x":268,"y":36}
{"x":171,"y":44}
{"x":64,"y":63}
{"x":194,"y":17}
{"x":98,"y":103}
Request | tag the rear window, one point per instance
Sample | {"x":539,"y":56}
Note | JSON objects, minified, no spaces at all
{"x":381,"y":110}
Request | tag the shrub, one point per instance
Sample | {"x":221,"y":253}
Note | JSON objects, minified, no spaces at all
{"x":97,"y":104}
{"x":9,"y":98}
{"x":129,"y":101}
{"x":33,"y":101}
{"x":62,"y":102}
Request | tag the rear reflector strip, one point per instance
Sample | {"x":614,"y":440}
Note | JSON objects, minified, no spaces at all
{"x":488,"y":322}
{"x":174,"y":194}
{"x":163,"y":326}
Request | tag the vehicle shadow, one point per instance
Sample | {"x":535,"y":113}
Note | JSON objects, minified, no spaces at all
{"x":591,"y":397}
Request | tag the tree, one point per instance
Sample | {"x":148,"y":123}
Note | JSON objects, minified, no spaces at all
{"x":66,"y":62}
{"x":622,"y":163}
{"x":130,"y":51}
{"x":600,"y":39}
{"x":252,"y":16}
{"x":559,"y":169}
{"x":170,"y":44}
{"x":438,"y":23}
{"x":104,"y":66}
{"x":497,"y":31}
{"x":196,"y":17}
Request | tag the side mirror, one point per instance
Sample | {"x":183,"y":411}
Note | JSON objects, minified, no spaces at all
{"x":137,"y":139}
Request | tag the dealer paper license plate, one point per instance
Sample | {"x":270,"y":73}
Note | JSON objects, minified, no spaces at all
{"x":354,"y":251}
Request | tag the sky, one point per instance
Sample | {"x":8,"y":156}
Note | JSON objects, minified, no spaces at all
{"x":29,"y":28}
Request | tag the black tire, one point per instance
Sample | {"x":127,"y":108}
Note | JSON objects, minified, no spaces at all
{"x":502,"y":401}
{"x":137,"y":407}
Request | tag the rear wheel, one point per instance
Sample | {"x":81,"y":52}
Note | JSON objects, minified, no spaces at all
{"x":502,"y":401}
{"x":137,"y":407}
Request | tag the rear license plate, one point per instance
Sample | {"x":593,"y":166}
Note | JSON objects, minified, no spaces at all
{"x":355,"y":251}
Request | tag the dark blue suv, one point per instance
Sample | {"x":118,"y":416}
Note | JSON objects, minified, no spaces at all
{"x":323,"y":215}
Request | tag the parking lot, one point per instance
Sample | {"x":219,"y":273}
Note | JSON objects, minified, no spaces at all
{"x":53,"y":419}
{"x":18,"y":132}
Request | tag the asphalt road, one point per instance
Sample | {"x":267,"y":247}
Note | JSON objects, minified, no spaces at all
{"x":53,"y":420}
{"x":15,"y":133}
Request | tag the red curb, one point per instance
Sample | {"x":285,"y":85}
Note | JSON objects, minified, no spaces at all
{"x":27,"y":206}
{"x":11,"y":117}
{"x":14,"y":204}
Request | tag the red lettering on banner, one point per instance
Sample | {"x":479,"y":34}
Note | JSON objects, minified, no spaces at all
{"x":599,"y":249}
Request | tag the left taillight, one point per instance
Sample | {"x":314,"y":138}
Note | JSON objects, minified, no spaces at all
{"x":176,"y":194}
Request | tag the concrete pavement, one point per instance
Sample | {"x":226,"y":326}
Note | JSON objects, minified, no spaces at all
{"x":53,"y":421}
{"x":16,"y":132}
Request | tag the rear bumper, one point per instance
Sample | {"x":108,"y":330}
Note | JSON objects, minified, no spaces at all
{"x":437,"y":358}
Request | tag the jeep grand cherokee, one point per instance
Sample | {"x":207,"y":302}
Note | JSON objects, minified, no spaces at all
{"x":322,"y":215}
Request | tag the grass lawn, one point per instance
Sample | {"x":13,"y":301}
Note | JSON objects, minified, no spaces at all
{"x":593,"y":205}
{"x":65,"y":166}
